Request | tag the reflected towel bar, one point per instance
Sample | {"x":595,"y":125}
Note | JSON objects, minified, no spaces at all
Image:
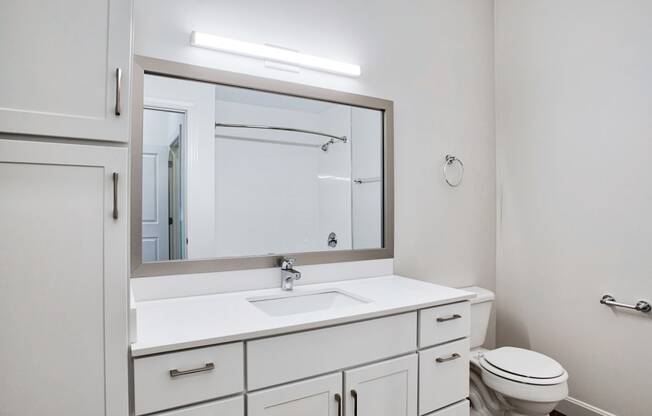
{"x":324,"y":147}
{"x":360,"y":181}
{"x":641,"y":305}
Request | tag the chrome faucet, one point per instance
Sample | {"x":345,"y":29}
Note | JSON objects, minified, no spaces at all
{"x":288,"y":274}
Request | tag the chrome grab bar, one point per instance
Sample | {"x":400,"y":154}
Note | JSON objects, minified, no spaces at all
{"x":641,"y":305}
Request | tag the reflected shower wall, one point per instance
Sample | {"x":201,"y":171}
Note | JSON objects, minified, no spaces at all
{"x":256,"y":191}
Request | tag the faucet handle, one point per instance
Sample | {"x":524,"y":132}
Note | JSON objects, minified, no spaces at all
{"x":287,"y":263}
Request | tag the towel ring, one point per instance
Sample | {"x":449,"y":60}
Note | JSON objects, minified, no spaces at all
{"x":450,"y":161}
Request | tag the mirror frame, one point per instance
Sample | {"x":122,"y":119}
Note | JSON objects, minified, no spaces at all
{"x":145,"y":65}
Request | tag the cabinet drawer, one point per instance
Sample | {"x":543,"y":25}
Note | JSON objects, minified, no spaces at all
{"x":227,"y":407}
{"x":444,"y":323}
{"x":458,"y":409}
{"x":176,"y":379}
{"x":443,"y":375}
{"x":291,"y":357}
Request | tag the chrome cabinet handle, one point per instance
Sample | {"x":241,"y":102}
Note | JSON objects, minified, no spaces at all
{"x":338,"y":399}
{"x":118,"y":84}
{"x":354,"y":394}
{"x":449,"y":318}
{"x":115,"y":195}
{"x":452,"y":357}
{"x":207,"y":367}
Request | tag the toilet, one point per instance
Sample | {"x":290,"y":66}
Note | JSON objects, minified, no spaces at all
{"x":509,"y":381}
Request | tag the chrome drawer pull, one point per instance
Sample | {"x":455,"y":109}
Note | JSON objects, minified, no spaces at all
{"x":118,"y":91}
{"x":449,"y":318}
{"x":115,"y":195}
{"x":207,"y":367}
{"x":451,"y":358}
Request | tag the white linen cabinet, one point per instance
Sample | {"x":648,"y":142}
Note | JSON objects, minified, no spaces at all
{"x":66,"y":68}
{"x":63,"y":279}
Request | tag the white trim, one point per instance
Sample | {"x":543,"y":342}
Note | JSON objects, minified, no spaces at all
{"x":574,"y":407}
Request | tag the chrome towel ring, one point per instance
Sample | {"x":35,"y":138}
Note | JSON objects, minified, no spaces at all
{"x":448,"y":164}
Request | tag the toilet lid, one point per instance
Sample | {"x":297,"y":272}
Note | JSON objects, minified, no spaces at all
{"x":524,"y":363}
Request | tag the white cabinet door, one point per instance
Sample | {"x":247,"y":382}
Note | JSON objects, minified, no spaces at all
{"x":388,"y":388}
{"x":315,"y":397}
{"x":156,"y":245}
{"x":63,"y":280}
{"x":59,"y":72}
{"x":226,"y":407}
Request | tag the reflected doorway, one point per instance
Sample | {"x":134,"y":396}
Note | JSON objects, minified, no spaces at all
{"x":163,"y":225}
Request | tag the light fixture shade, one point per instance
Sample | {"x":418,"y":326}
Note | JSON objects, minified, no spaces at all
{"x":206,"y":40}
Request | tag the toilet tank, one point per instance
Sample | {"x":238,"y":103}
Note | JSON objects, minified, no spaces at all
{"x":480,"y":313}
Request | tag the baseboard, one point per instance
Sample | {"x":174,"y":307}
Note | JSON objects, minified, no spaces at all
{"x":574,"y":407}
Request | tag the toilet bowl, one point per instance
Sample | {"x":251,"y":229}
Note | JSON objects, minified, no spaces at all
{"x":510,"y":381}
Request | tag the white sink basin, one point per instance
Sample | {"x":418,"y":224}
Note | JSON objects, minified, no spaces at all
{"x":304,"y":302}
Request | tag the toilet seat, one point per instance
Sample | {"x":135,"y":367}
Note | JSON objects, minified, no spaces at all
{"x":523,"y":366}
{"x":524,"y":375}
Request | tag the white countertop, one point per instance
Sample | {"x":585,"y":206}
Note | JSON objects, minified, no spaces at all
{"x":172,"y":324}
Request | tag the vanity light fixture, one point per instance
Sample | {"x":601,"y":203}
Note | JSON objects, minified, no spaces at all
{"x":206,"y":40}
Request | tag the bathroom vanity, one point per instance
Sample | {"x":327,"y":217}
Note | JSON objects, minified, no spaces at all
{"x":320,"y":192}
{"x":375,"y":346}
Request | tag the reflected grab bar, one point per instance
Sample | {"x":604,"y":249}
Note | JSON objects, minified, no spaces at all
{"x":641,"y":305}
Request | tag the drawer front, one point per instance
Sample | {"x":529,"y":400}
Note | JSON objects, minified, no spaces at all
{"x":443,"y":375}
{"x":226,"y":407}
{"x":444,"y":323}
{"x":277,"y":360}
{"x":176,"y":379}
{"x":462,"y":408}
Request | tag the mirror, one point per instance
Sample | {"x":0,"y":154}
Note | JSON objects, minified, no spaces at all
{"x":237,"y":172}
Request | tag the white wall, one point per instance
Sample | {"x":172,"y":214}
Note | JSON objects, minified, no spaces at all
{"x":574,"y":106}
{"x":434,"y":59}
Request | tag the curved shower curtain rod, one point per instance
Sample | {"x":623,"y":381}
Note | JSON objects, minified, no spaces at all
{"x":324,"y":147}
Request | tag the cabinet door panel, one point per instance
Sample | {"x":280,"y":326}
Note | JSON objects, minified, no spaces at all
{"x":314,"y":397}
{"x":63,"y":283}
{"x":226,"y":407}
{"x":388,"y":388}
{"x":59,"y":76}
{"x":458,"y":409}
